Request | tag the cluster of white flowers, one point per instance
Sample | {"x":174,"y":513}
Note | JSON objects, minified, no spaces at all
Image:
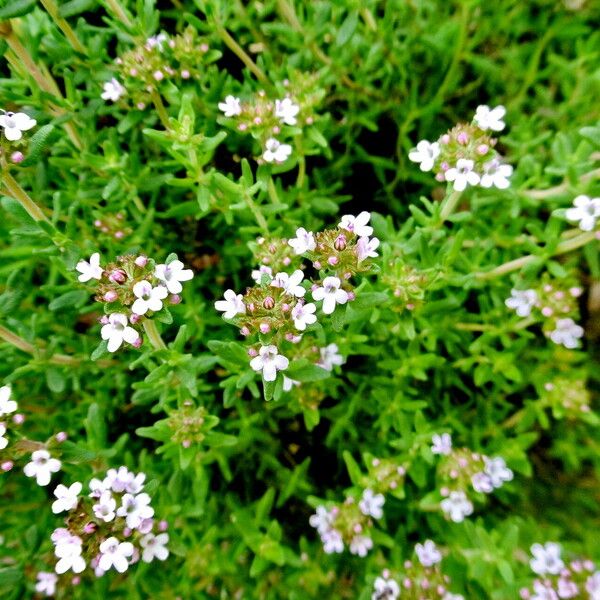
{"x":112,"y":90}
{"x":14,"y":124}
{"x":557,"y":579}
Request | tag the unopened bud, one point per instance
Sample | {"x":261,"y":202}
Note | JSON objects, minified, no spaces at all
{"x":185,"y":74}
{"x":186,"y":443}
{"x":7,"y":465}
{"x":158,"y":75}
{"x":317,"y":264}
{"x":118,"y":276}
{"x":462,"y":138}
{"x":138,"y":342}
{"x":110,"y":296}
{"x":18,"y":419}
{"x":483,"y":149}
{"x":89,"y":527}
{"x":17,"y":157}
{"x":340,"y":242}
{"x":287,"y":260}
{"x":245,"y":331}
{"x":141,"y":261}
{"x":264,"y":328}
{"x":252,"y":352}
{"x":268,"y":303}
{"x":175,"y":299}
{"x":134,"y":318}
{"x":61,"y":437}
{"x":333,"y":260}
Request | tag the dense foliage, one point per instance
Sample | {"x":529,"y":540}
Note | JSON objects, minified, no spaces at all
{"x":268,"y":338}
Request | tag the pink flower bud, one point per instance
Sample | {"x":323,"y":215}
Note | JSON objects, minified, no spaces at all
{"x":525,"y":594}
{"x":351,"y":296}
{"x":453,"y":473}
{"x":340,"y":242}
{"x":158,"y":75}
{"x":462,"y":138}
{"x":357,"y":528}
{"x":445,"y":139}
{"x":463,"y":462}
{"x":186,"y":443}
{"x":424,"y":584}
{"x":317,"y":264}
{"x":133,"y":72}
{"x":118,"y":276}
{"x":407,"y":583}
{"x":276,"y":129}
{"x":268,"y":302}
{"x":242,"y":126}
{"x":141,"y":261}
{"x":127,"y":532}
{"x":138,"y":342}
{"x":185,"y":74}
{"x":559,"y":295}
{"x":547,"y":311}
{"x":441,"y":590}
{"x":133,"y":319}
{"x":375,"y":462}
{"x":245,"y":331}
{"x":98,"y":223}
{"x":440,"y":177}
{"x":285,"y":307}
{"x":575,"y":292}
{"x":163,"y":525}
{"x":252,"y":352}
{"x":547,"y":288}
{"x":75,"y":580}
{"x":257,"y":120}
{"x":287,"y":260}
{"x":104,"y":320}
{"x":264,"y":328}
{"x":141,"y":105}
{"x":444,"y":166}
{"x":17,"y":157}
{"x":7,"y":465}
{"x":401,"y":471}
{"x":483,"y":149}
{"x":175,"y":299}
{"x":61,"y":437}
{"x":250,"y":306}
{"x":89,"y":527}
{"x":393,"y":485}
{"x":18,"y":419}
{"x":444,"y":491}
{"x":333,"y":260}
{"x":110,"y":296}
{"x":410,"y":306}
{"x":204,"y":47}
{"x":386,"y":573}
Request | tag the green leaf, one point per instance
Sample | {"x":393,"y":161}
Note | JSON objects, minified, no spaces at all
{"x":17,"y":8}
{"x":303,"y":370}
{"x":347,"y":28}
{"x":75,"y":7}
{"x":75,"y":298}
{"x":37,"y":144}
{"x":101,"y":350}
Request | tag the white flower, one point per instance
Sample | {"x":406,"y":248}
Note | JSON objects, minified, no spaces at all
{"x":155,"y":546}
{"x":426,"y":154}
{"x":462,"y":175}
{"x":428,"y":553}
{"x":332,"y":541}
{"x":286,"y":111}
{"x":41,"y":467}
{"x":112,"y":90}
{"x":321,"y":520}
{"x":567,"y":333}
{"x":522,"y":301}
{"x":68,"y":551}
{"x":357,"y":225}
{"x":451,"y":596}
{"x":360,"y":545}
{"x":15,"y":123}
{"x":269,"y":361}
{"x":117,"y":330}
{"x":257,"y":274}
{"x":117,"y":480}
{"x":442,"y":444}
{"x":148,"y":297}
{"x":67,"y":498}
{"x":46,"y":583}
{"x":482,"y":483}
{"x":303,"y":315}
{"x":288,"y":383}
{"x":546,"y":559}
{"x":105,"y":507}
{"x":98,"y":487}
{"x":543,"y":591}
{"x":496,"y":174}
{"x":232,"y":305}
{"x":566,"y":588}
{"x":331,"y":293}
{"x":486,"y":118}
{"x":275,"y":151}
{"x":586,"y":210}
{"x":135,"y":509}
{"x":497,"y":471}
{"x":385,"y":589}
{"x":90,"y":270}
{"x":156,"y":41}
{"x":115,"y":554}
{"x":7,"y":405}
{"x":290,"y":283}
{"x":457,"y":506}
{"x":231,"y":106}
{"x":371,"y":505}
{"x":3,"y":440}
{"x":172,"y":275}
{"x":330,"y":357}
{"x":303,"y":242}
{"x":592,"y":586}
{"x":365,"y":248}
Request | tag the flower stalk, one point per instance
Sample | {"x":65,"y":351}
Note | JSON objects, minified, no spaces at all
{"x":52,"y":9}
{"x":449,"y":205}
{"x":22,"y":197}
{"x":153,"y":335}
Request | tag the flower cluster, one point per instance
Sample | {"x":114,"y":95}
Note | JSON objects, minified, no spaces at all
{"x":556,"y":304}
{"x":585,"y":211}
{"x":566,"y":396}
{"x":386,"y":475}
{"x":466,"y":155}
{"x":349,"y":523}
{"x":408,"y":284}
{"x":111,"y":528}
{"x":421,"y":578}
{"x":132,"y":289}
{"x":162,"y":59}
{"x":461,"y":471}
{"x":558,"y":579}
{"x":272,"y":121}
{"x":114,"y":226}
{"x":12,"y":126}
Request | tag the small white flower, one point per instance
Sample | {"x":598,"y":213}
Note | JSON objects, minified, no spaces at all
{"x":46,"y":583}
{"x":275,"y":151}
{"x":303,"y":315}
{"x":385,"y":589}
{"x":428,"y":553}
{"x":117,"y":480}
{"x":330,"y":357}
{"x":172,"y":275}
{"x":586,"y":210}
{"x":290,"y":283}
{"x":546,"y":559}
{"x":98,"y":487}
{"x":154,"y":546}
{"x":232,"y":305}
{"x":269,"y":361}
{"x":360,"y":545}
{"x":90,"y":270}
{"x":497,"y":471}
{"x":303,"y":242}
{"x":112,"y":90}
{"x":332,"y":541}
{"x":371,"y":504}
{"x":462,"y":175}
{"x":105,"y":507}
{"x":135,"y":509}
{"x":286,"y":111}
{"x":117,"y":330}
{"x":482,"y":483}
{"x":592,"y":586}
{"x":451,"y":596}
{"x":331,"y":293}
{"x":67,"y":498}
{"x":68,"y":551}
{"x":365,"y":248}
{"x":156,"y":41}
{"x":148,"y":297}
{"x":3,"y":440}
{"x":442,"y":444}
{"x":543,"y":590}
{"x":567,"y":333}
{"x":522,"y":301}
{"x":7,"y":405}
{"x":496,"y":174}
{"x":231,"y":106}
{"x":15,"y":123}
{"x":115,"y":554}
{"x":426,"y":154}
{"x":486,"y":118}
{"x":321,"y":520}
{"x":257,"y":274}
{"x":457,"y":506}
{"x":357,"y":225}
{"x":288,"y":383}
{"x":41,"y":467}
{"x":566,"y":588}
